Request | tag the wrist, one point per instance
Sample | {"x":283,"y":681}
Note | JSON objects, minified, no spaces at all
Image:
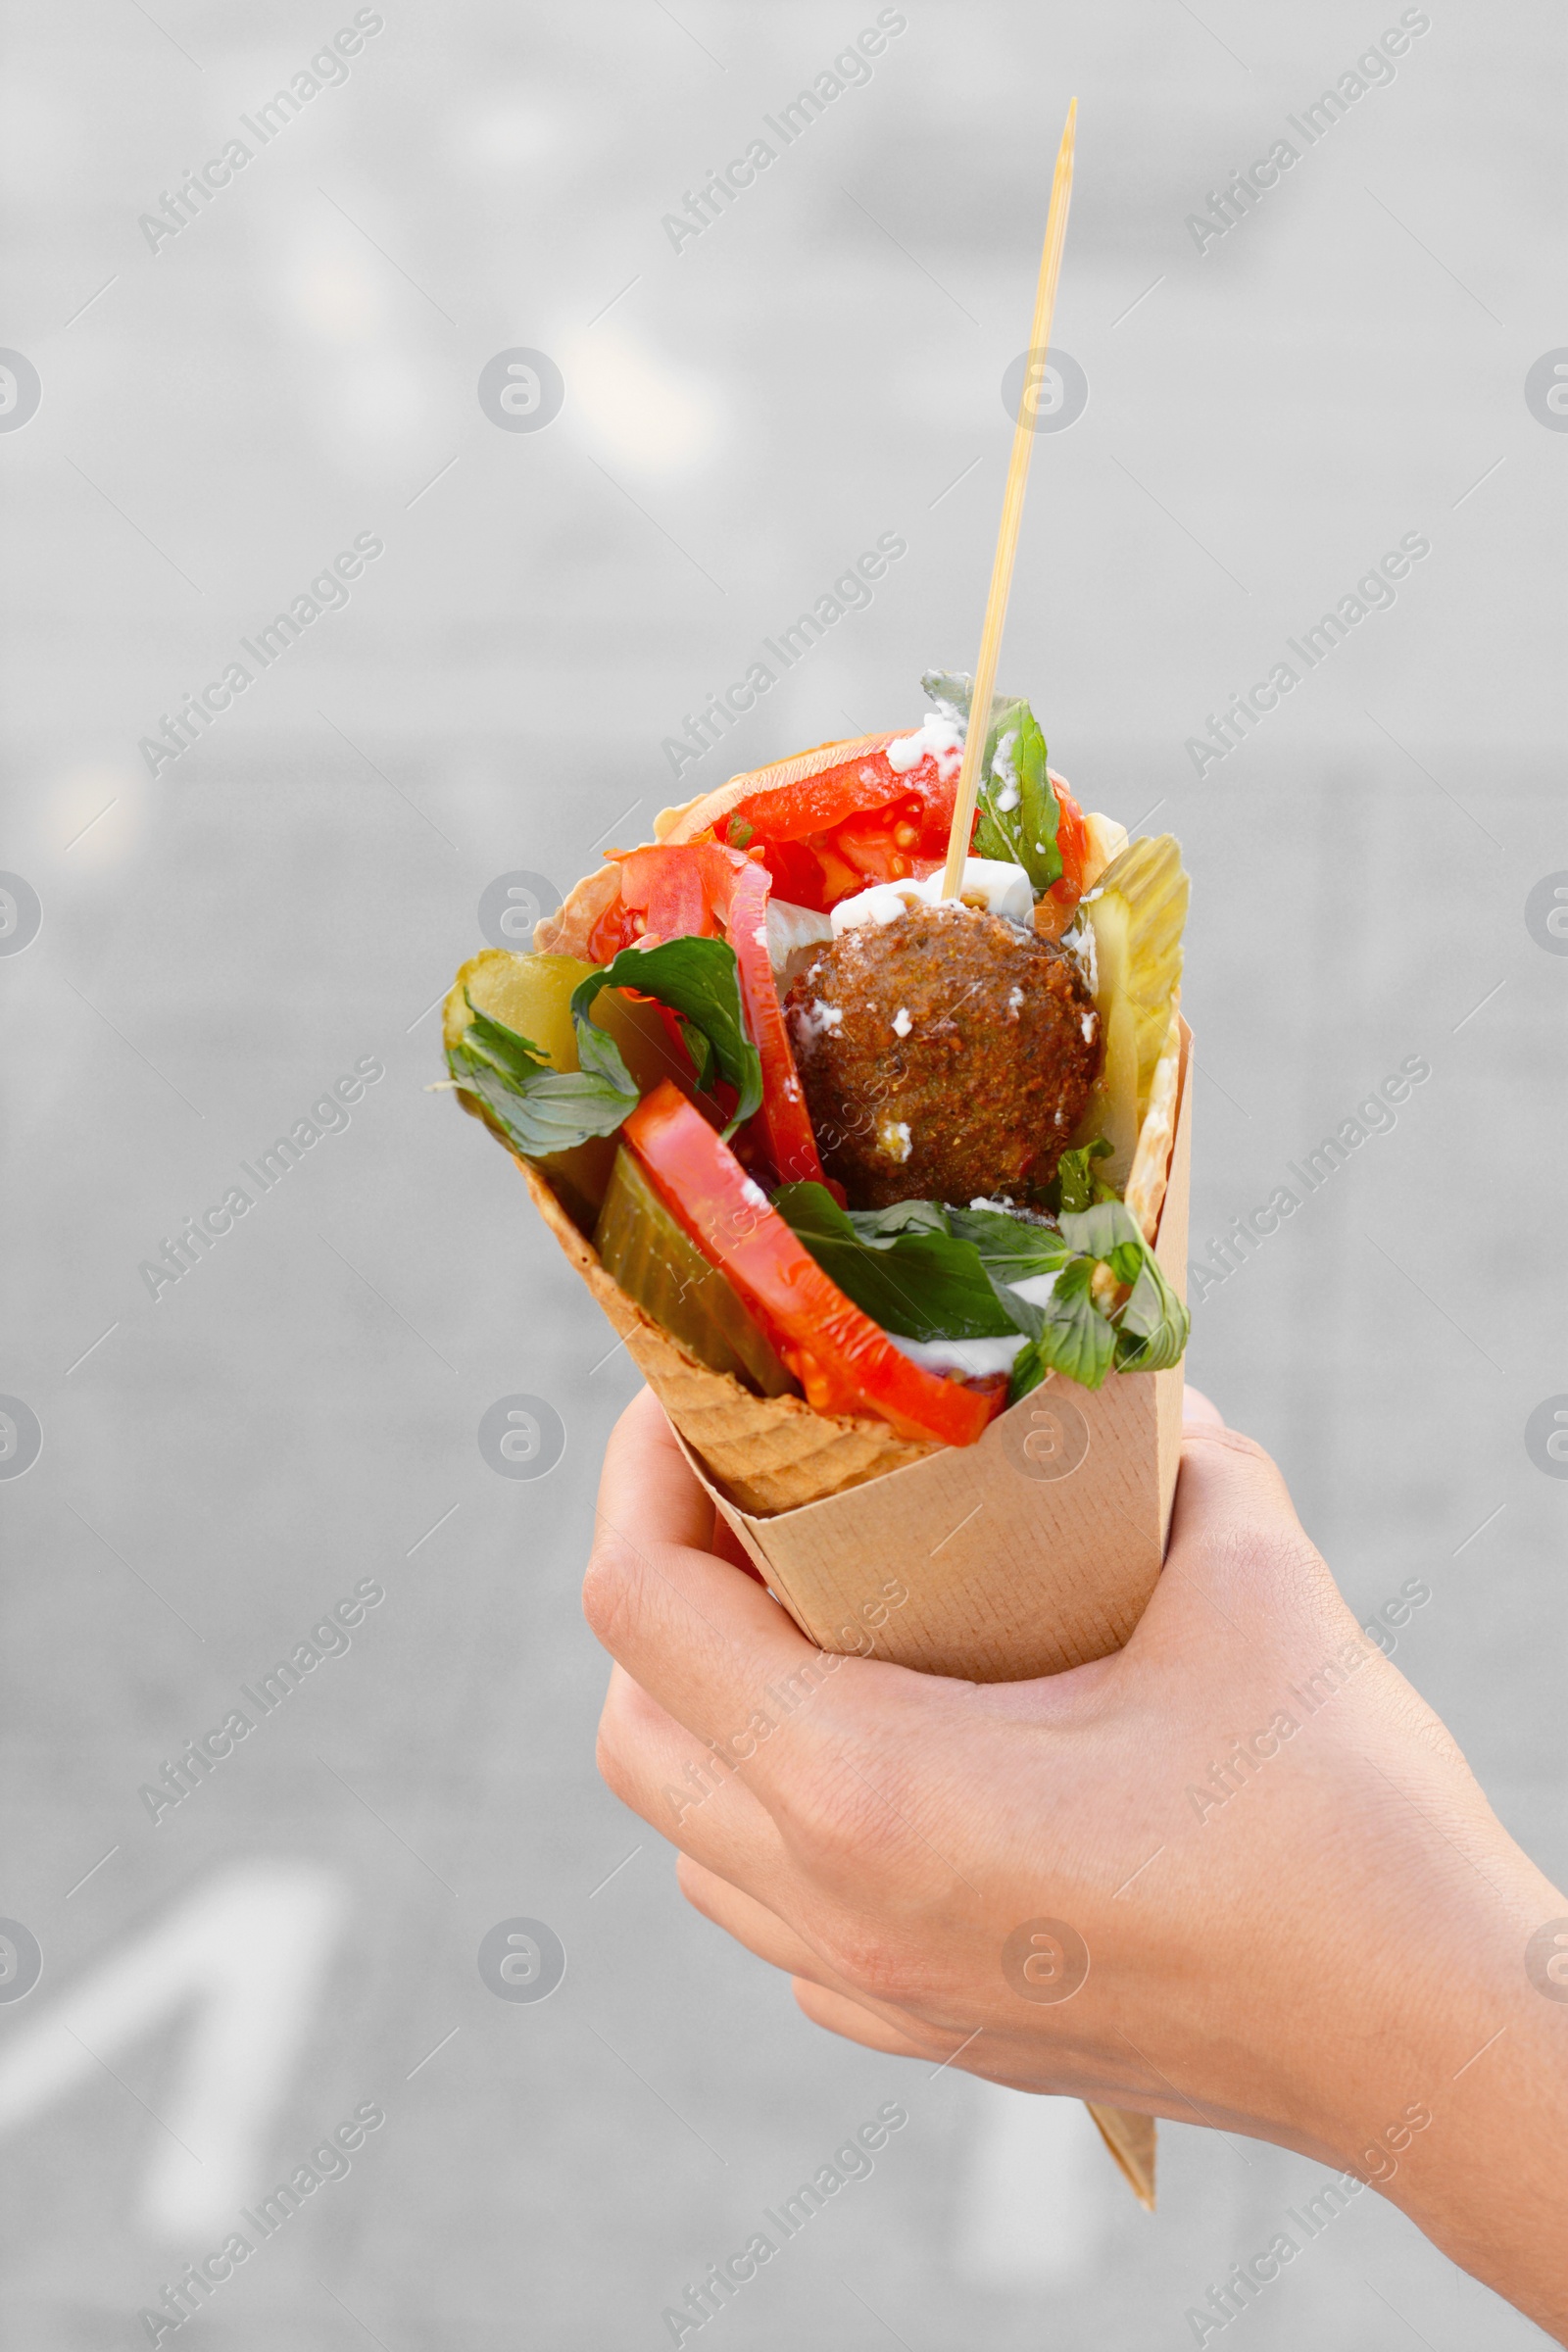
{"x":1450,"y":2093}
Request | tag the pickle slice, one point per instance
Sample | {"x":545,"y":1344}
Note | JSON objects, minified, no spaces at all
{"x":1138,"y":911}
{"x":657,"y":1263}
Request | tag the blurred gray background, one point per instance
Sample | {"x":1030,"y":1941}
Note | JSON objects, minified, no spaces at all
{"x":222,"y":411}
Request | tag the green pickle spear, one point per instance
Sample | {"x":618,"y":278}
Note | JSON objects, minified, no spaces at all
{"x":658,"y":1263}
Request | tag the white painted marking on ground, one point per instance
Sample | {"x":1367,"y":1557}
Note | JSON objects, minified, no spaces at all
{"x":245,"y":1960}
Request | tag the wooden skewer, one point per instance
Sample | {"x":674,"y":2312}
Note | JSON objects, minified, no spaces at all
{"x":1023,"y":441}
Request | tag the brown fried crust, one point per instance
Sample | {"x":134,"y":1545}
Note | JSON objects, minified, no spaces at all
{"x":979,"y":1038}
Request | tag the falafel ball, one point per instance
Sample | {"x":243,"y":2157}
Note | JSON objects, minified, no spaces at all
{"x":945,"y":1056}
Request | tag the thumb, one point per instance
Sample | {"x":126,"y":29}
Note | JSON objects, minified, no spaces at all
{"x":1239,"y":1566}
{"x":1227,"y":1484}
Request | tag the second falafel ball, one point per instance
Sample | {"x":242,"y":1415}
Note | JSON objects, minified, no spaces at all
{"x":945,"y":1056}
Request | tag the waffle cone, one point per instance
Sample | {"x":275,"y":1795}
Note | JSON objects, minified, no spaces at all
{"x":766,"y":1454}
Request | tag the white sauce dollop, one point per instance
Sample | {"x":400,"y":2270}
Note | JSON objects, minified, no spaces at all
{"x":941,"y":735}
{"x":1004,"y":889}
{"x":975,"y":1356}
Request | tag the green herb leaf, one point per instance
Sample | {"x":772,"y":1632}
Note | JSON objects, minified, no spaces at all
{"x":1018,"y":807}
{"x":704,"y":1058}
{"x":555,"y":1111}
{"x":1151,"y":1328}
{"x":1105,"y":1226}
{"x":1152,"y":1325}
{"x":492,"y":1045}
{"x":541,"y":1109}
{"x":1018,"y":812}
{"x":901,"y":1266}
{"x":699,"y":979}
{"x":1146,"y":1333}
{"x":1014,"y":1247}
{"x":952,"y":691}
{"x":1075,"y":1337}
{"x":1075,"y":1184}
{"x":881,"y":1227}
{"x":1012,"y":1250}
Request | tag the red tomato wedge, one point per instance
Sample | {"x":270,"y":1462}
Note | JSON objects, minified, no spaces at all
{"x":827,"y":1342}
{"x":865,"y":781}
{"x":786,"y":1123}
{"x":845,"y":822}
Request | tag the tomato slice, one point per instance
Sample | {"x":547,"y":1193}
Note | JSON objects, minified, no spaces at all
{"x":820,"y":840}
{"x":786,"y":1122}
{"x":680,"y":893}
{"x":698,"y":889}
{"x":667,"y":892}
{"x":1072,"y":840}
{"x":821,"y":803}
{"x":862,"y":822}
{"x":797,"y":873}
{"x":847,"y":847}
{"x":1057,"y":906}
{"x":617,"y":928}
{"x":826,"y":1340}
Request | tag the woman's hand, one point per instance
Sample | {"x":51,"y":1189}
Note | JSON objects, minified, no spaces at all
{"x":1238,"y":1874}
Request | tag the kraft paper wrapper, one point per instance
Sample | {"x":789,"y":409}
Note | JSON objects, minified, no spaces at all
{"x":1033,"y":1551}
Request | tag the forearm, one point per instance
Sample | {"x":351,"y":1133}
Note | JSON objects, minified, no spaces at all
{"x":1335,"y":1961}
{"x":1461,"y":2117}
